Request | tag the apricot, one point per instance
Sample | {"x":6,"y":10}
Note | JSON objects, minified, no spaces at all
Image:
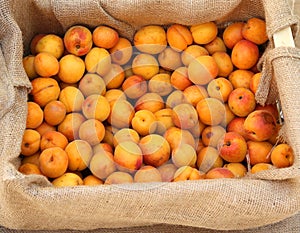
{"x":169,"y":59}
{"x":194,"y":94}
{"x":179,"y":78}
{"x":145,"y":65}
{"x":184,"y":155}
{"x":197,"y":130}
{"x":35,"y":115}
{"x":241,"y":78}
{"x":78,"y":40}
{"x":202,"y":70}
{"x":208,"y":158}
{"x":255,"y":30}
{"x":96,"y":107}
{"x":174,"y":98}
{"x":260,"y":125}
{"x":121,"y":113}
{"x":261,"y":167}
{"x":91,"y":84}
{"x":49,"y":43}
{"x":211,"y":111}
{"x":167,"y":172}
{"x":188,"y":173}
{"x":71,"y":68}
{"x":229,"y":116}
{"x":115,"y":94}
{"x":30,"y":142}
{"x":125,"y":134}
{"x":102,"y":164}
{"x":163,"y":120}
{"x":29,"y":168}
{"x":119,"y":178}
{"x":244,"y":54}
{"x":191,"y":52}
{"x":237,"y":125}
{"x":44,"y":90}
{"x":204,"y":33}
{"x":220,"y":88}
{"x":102,"y":146}
{"x":72,"y":98}
{"x":45,"y":64}
{"x":233,"y":34}
{"x":121,"y":53}
{"x":254,"y":82}
{"x":92,"y":131}
{"x":151,"y":39}
{"x":54,"y":112}
{"x":216,"y":45}
{"x":232,"y":147}
{"x":238,"y":169}
{"x":53,"y":139}
{"x":70,"y":125}
{"x":92,"y":180}
{"x":185,"y":116}
{"x":224,"y":63}
{"x":35,"y":39}
{"x":128,"y":156}
{"x":105,"y":37}
{"x":160,"y":84}
{"x":176,"y":136}
{"x":115,"y":77}
{"x":79,"y":155}
{"x":282,"y":156}
{"x":155,"y":149}
{"x":45,"y":127}
{"x":179,"y":37}
{"x":68,"y":179}
{"x":53,"y":162}
{"x":150,"y":101}
{"x":98,"y":60}
{"x":33,"y":159}
{"x":259,"y":152}
{"x":272,"y":108}
{"x":218,"y":173}
{"x":147,"y":174}
{"x":134,"y":86}
{"x":241,"y":101}
{"x":28,"y":64}
{"x":211,"y":135}
{"x":199,"y":145}
{"x":144,"y":122}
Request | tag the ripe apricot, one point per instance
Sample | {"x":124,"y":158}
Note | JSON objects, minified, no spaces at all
{"x":204,"y":33}
{"x":35,"y":115}
{"x":30,"y":142}
{"x":54,"y":112}
{"x":53,"y":139}
{"x":121,"y":52}
{"x":46,"y":65}
{"x":71,"y":68}
{"x":179,"y":37}
{"x":44,"y":90}
{"x":151,"y":39}
{"x":105,"y":37}
{"x":255,"y":30}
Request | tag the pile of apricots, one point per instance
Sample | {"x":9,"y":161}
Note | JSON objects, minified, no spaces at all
{"x":176,"y":103}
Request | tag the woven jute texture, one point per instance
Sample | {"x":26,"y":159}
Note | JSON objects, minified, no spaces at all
{"x":31,"y":203}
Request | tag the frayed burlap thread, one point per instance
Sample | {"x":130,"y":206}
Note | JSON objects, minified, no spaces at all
{"x":30,"y":202}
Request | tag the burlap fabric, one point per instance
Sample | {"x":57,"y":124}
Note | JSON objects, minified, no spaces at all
{"x":29,"y":202}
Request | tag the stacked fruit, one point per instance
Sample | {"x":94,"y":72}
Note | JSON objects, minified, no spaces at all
{"x":175,"y":104}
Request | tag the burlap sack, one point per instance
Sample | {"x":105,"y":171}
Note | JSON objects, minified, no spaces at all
{"x":29,"y":202}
